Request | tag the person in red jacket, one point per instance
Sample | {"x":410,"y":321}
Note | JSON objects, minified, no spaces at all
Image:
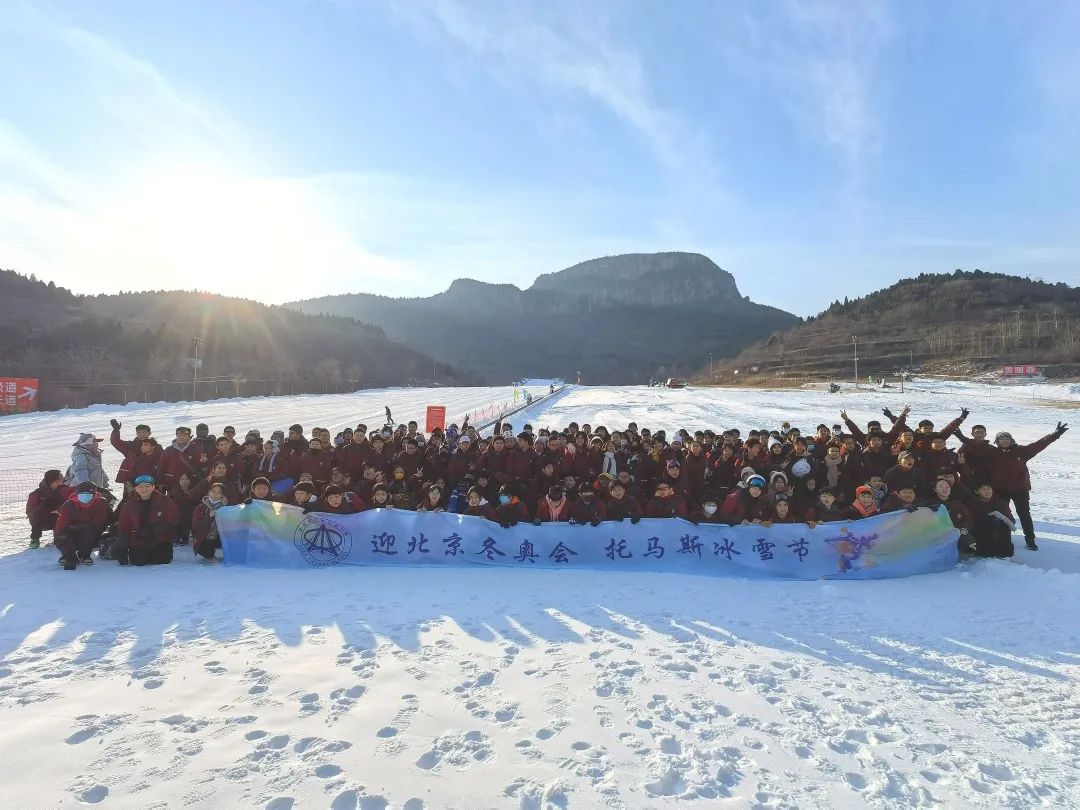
{"x":621,"y":506}
{"x":79,"y":524}
{"x":521,"y":461}
{"x":587,"y":508}
{"x":1007,"y":462}
{"x":865,"y":504}
{"x":666,"y":504}
{"x":147,"y":525}
{"x":144,"y":460}
{"x":553,"y":507}
{"x":337,"y":501}
{"x":182,"y":456}
{"x":315,"y":463}
{"x":478,"y":507}
{"x":43,"y":505}
{"x":510,"y":511}
{"x":204,"y":532}
{"x":746,"y":505}
{"x":353,"y":455}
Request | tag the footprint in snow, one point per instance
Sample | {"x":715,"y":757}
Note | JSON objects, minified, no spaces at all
{"x":93,"y":795}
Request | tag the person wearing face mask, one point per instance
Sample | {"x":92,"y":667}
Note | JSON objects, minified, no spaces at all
{"x":510,"y":511}
{"x":708,"y":513}
{"x":79,"y":524}
{"x":204,"y":530}
{"x":587,"y":508}
{"x":402,"y":491}
{"x":1007,"y":462}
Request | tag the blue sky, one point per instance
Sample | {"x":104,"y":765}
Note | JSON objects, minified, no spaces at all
{"x":280,"y":150}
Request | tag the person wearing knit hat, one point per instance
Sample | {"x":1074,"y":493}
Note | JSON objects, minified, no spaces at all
{"x":864,"y":505}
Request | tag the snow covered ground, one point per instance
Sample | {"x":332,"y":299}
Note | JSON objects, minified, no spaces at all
{"x":201,"y":685}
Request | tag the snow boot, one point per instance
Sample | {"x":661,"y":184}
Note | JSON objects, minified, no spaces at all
{"x":87,"y":560}
{"x":35,"y":542}
{"x":70,"y":563}
{"x":1030,"y":541}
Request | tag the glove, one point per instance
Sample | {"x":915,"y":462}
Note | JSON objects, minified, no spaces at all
{"x":635,"y":520}
{"x":114,"y":424}
{"x":572,"y":522}
{"x":513,"y":522}
{"x":538,"y":522}
{"x":1061,"y":428}
{"x":505,"y":524}
{"x":964,"y":413}
{"x":247,"y":501}
{"x":911,"y":508}
{"x":594,"y":522}
{"x":887,"y":412}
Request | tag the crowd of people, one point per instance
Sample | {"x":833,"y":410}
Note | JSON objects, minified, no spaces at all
{"x":579,"y":475}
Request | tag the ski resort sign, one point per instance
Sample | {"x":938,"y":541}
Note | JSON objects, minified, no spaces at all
{"x":275,"y":535}
{"x":18,"y":394}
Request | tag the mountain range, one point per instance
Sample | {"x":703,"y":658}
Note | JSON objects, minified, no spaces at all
{"x":617,"y":320}
{"x":959,"y":323}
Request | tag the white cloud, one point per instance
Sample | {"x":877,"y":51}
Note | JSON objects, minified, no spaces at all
{"x":570,"y":47}
{"x":823,"y":58}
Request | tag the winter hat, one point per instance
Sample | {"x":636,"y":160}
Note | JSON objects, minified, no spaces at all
{"x":333,"y":489}
{"x":1003,"y":435}
{"x":755,"y":481}
{"x":777,"y":474}
{"x":674,"y":463}
{"x":746,"y":473}
{"x":53,"y":475}
{"x":85,"y":486}
{"x":864,"y":488}
{"x":85,"y":440}
{"x":903,"y":454}
{"x":773,"y":441}
{"x":801,"y":468}
{"x":143,"y":479}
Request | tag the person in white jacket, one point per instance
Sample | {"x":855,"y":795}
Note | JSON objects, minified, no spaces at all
{"x":86,"y":463}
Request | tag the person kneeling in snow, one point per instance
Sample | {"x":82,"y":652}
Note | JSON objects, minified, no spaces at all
{"x":147,"y":526}
{"x":204,"y":528}
{"x":79,"y":524}
{"x":43,"y":505}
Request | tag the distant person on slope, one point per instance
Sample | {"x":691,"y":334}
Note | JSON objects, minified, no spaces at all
{"x":1007,"y":462}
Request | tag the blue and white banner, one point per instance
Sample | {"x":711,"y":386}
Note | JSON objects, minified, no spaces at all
{"x":273,"y":535}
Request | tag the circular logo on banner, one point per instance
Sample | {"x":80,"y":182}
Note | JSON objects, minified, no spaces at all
{"x":322,"y":542}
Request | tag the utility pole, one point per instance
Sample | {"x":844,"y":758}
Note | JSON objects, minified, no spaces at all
{"x":710,"y":366}
{"x":434,"y":381}
{"x":195,"y":343}
{"x":855,"y":340}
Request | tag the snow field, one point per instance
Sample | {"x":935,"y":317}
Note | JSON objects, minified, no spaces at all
{"x":199,"y":685}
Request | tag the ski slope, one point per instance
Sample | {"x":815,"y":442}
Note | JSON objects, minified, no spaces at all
{"x":200,"y":685}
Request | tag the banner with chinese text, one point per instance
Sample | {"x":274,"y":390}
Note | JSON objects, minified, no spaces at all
{"x":18,"y":394}
{"x":273,"y":535}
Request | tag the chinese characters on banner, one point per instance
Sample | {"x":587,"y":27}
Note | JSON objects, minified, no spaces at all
{"x":273,"y":535}
{"x":18,"y":394}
